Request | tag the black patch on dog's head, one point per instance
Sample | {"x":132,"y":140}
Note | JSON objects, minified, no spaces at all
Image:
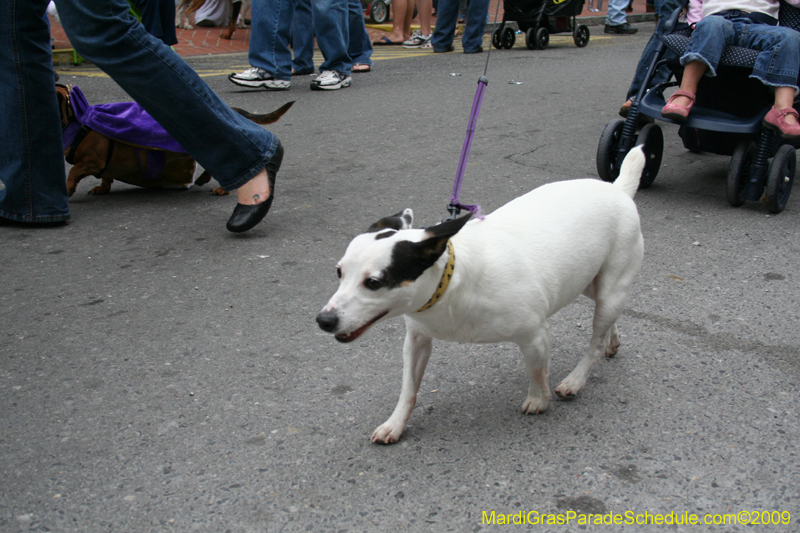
{"x":384,"y":234}
{"x":411,"y":259}
{"x":398,"y":221}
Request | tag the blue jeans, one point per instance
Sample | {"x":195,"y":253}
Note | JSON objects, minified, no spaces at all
{"x":271,"y":22}
{"x":360,"y":45}
{"x":776,"y":66}
{"x":270,"y":25}
{"x":332,"y":29}
{"x":232,"y":148}
{"x":664,"y":9}
{"x":31,"y":155}
{"x":303,"y":37}
{"x":615,"y":15}
{"x":446,"y":19}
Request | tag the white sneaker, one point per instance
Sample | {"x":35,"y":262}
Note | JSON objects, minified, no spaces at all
{"x":258,"y":77}
{"x":417,"y":40}
{"x":329,"y":80}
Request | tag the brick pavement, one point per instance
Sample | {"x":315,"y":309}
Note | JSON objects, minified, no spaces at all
{"x":203,"y":41}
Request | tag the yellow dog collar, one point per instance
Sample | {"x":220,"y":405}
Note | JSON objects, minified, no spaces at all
{"x":447,"y":275}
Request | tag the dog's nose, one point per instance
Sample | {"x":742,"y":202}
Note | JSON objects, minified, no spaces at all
{"x":328,"y":321}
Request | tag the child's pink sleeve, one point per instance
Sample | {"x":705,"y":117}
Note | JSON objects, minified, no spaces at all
{"x":695,"y":12}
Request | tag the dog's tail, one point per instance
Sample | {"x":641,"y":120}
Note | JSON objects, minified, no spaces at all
{"x":269,"y":118}
{"x":631,"y":171}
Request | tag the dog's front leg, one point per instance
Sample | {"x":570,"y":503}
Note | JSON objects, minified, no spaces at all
{"x":537,"y":365}
{"x":416,"y":352}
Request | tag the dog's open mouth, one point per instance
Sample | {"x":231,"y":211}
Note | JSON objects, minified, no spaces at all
{"x":349,"y":337}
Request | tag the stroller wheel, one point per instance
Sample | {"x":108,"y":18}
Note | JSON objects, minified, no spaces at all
{"x":379,"y":11}
{"x":508,"y":38}
{"x":496,"y":39}
{"x":537,"y":39}
{"x":607,"y":167}
{"x":652,"y":140}
{"x":780,"y":178}
{"x":739,"y":172}
{"x":581,"y":35}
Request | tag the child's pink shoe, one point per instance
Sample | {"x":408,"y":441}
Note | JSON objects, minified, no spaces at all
{"x":776,"y":120}
{"x":678,"y":113}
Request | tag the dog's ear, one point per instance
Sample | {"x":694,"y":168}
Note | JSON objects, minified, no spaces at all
{"x":62,"y":93}
{"x":434,"y":246}
{"x":398,"y":221}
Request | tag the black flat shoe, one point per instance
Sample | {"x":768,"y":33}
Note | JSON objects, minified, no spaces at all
{"x":245,"y":217}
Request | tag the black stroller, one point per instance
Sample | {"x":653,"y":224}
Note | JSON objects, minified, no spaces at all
{"x":723,"y":121}
{"x":538,"y":19}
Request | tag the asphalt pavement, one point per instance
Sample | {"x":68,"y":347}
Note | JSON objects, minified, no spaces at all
{"x":160,"y":374}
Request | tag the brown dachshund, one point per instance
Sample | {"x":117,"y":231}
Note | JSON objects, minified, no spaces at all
{"x":107,"y":159}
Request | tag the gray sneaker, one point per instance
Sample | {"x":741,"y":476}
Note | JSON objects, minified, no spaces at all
{"x":417,"y":40}
{"x":258,"y":77}
{"x":329,"y":80}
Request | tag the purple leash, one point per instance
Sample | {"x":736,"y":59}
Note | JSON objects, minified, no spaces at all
{"x":455,"y":207}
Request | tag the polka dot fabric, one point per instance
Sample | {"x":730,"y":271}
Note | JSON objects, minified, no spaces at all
{"x":734,"y":56}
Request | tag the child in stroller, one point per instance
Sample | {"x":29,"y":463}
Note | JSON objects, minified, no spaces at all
{"x":723,"y":120}
{"x":750,"y":24}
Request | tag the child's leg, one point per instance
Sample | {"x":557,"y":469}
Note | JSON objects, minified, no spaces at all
{"x":692,"y":73}
{"x":784,"y":99}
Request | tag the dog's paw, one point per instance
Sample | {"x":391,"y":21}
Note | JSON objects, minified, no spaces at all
{"x":100,"y":190}
{"x":534,"y":406}
{"x":219,"y":191}
{"x":568,"y":388}
{"x":612,"y":348}
{"x":612,"y":343}
{"x":387,"y":433}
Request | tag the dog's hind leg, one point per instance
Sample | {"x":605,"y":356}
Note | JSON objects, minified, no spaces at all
{"x":537,"y":366}
{"x":612,"y":339}
{"x":416,"y":352}
{"x":609,"y":301}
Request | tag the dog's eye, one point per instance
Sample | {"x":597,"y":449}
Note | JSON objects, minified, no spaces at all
{"x":338,"y":272}
{"x":373,"y":284}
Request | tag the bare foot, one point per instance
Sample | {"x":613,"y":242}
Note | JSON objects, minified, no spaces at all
{"x":682,"y":100}
{"x":790,"y":119}
{"x":394,"y":38}
{"x":254,"y":191}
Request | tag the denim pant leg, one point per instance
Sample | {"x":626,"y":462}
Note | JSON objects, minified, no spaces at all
{"x":446,"y":19}
{"x":359,"y":45}
{"x":777,"y":64}
{"x":616,"y":12}
{"x":709,"y":39}
{"x":331,"y":26}
{"x":303,"y":37}
{"x":476,"y":25}
{"x":664,"y":8}
{"x":232,"y":148}
{"x":270,"y":28}
{"x":31,"y":154}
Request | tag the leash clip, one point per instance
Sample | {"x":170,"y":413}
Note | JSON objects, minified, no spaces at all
{"x":454,"y":211}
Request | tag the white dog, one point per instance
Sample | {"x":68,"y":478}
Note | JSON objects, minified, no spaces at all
{"x":496,"y":280}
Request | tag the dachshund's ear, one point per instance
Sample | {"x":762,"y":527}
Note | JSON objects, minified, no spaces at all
{"x":62,"y":93}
